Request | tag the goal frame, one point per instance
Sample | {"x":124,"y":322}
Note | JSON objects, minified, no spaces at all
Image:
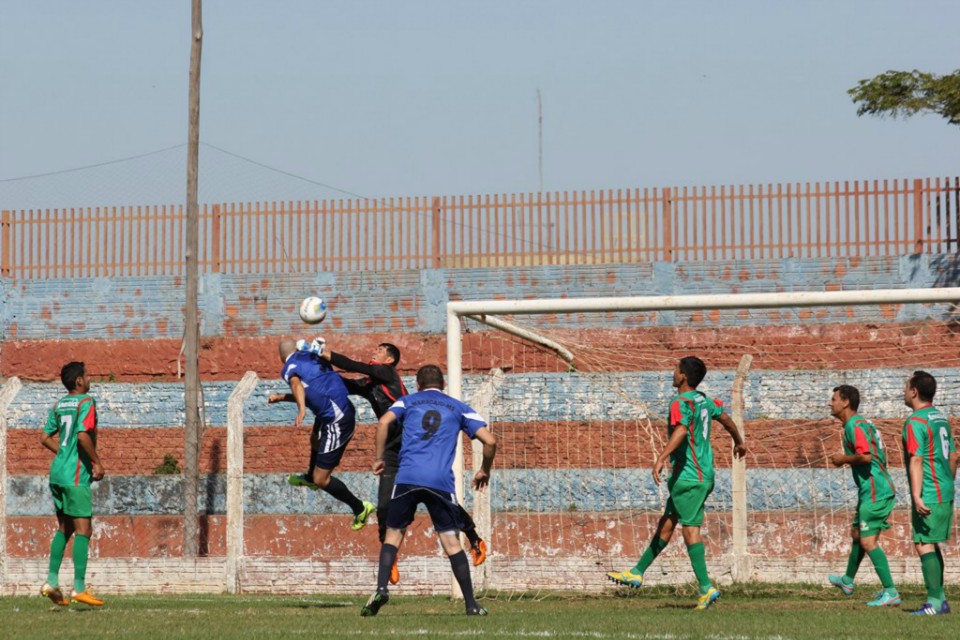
{"x":489,"y":312}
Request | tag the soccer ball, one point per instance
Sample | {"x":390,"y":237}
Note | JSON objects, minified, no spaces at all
{"x":313,"y":310}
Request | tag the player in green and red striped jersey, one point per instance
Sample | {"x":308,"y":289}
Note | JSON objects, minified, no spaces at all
{"x":931,"y":461}
{"x":691,"y":456}
{"x":71,"y":433}
{"x":863,"y":450}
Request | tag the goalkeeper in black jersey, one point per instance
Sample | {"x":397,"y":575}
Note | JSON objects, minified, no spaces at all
{"x":382,"y":386}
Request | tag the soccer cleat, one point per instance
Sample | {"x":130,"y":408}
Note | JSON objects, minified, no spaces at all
{"x":944,"y":608}
{"x":394,"y":573}
{"x":838,"y":582}
{"x":360,"y":520}
{"x":479,"y":552}
{"x":377,"y":600}
{"x":54,"y":594}
{"x":707,"y":599}
{"x":926,"y":610}
{"x":86,"y":597}
{"x":301,"y":480}
{"x":477,"y":611}
{"x":626,"y":578}
{"x":884,"y":599}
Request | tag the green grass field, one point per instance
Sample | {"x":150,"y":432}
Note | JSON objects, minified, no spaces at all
{"x":745,"y":611}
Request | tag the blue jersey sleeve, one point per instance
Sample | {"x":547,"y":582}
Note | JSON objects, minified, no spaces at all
{"x":471,"y":422}
{"x":290,"y":369}
{"x":398,"y":409}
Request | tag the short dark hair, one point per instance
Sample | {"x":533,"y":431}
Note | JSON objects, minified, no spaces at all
{"x":392,"y":350}
{"x":429,"y":376}
{"x":694,"y":368}
{"x":925,"y":384}
{"x":69,"y":374}
{"x":849,"y":393}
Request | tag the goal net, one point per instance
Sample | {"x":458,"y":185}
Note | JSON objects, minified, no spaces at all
{"x":580,"y":408}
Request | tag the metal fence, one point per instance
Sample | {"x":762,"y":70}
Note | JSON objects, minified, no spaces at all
{"x":849,"y":218}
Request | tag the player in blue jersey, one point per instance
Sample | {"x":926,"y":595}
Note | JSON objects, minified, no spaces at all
{"x":314,"y":385}
{"x":382,"y":386}
{"x":432,"y":422}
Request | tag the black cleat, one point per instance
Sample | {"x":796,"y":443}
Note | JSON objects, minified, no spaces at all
{"x":477,"y":611}
{"x":373,"y":605}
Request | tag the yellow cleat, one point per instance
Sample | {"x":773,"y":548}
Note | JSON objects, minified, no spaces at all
{"x":626,"y":578}
{"x":707,"y":599}
{"x":54,"y":594}
{"x":86,"y":598}
{"x":360,"y":520}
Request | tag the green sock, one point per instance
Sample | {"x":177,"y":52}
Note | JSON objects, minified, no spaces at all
{"x":81,"y":548}
{"x":699,"y":561}
{"x":943,"y":585}
{"x":57,"y":547}
{"x":930,"y":566}
{"x":882,"y":567}
{"x":657,"y":545}
{"x":853,"y":561}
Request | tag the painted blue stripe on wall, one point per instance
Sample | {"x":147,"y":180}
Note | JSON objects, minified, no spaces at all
{"x":795,"y":395}
{"x":365,"y":301}
{"x":512,"y":490}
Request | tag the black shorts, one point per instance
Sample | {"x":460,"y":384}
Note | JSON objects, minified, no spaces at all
{"x":328,"y":442}
{"x":442,"y":507}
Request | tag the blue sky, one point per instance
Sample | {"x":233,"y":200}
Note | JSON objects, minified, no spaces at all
{"x":439,"y":97}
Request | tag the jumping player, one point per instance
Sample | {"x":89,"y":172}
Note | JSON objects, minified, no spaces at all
{"x":314,"y":385}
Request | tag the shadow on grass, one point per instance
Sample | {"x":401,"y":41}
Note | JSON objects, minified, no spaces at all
{"x":321,"y":605}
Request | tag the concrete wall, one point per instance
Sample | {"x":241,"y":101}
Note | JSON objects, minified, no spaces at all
{"x":414,"y":301}
{"x":572,"y":481}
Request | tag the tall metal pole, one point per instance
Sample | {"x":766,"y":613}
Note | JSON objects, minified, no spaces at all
{"x":191,"y":334}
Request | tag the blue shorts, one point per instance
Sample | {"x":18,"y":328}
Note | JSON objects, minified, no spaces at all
{"x":442,"y":507}
{"x":328,"y":442}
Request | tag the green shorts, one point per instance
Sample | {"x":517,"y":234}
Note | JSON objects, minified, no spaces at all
{"x":871,"y":517}
{"x":687,"y":500}
{"x":72,"y":501}
{"x":936,"y":527}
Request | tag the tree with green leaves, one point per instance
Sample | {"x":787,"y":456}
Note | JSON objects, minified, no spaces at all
{"x":901,"y":94}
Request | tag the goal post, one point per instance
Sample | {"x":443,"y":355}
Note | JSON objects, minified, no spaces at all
{"x":811,"y":493}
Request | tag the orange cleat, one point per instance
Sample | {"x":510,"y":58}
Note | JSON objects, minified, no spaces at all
{"x":86,"y":598}
{"x":54,"y":594}
{"x":394,"y":573}
{"x":479,"y":553}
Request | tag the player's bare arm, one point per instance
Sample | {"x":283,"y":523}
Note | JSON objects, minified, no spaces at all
{"x":482,"y":477}
{"x":380,"y":440}
{"x":51,"y":441}
{"x":739,"y":448}
{"x":300,"y":397}
{"x":916,"y":485}
{"x":85,"y":442}
{"x":954,"y":462}
{"x":676,"y":439}
{"x":840,"y":459}
{"x":280,"y":397}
